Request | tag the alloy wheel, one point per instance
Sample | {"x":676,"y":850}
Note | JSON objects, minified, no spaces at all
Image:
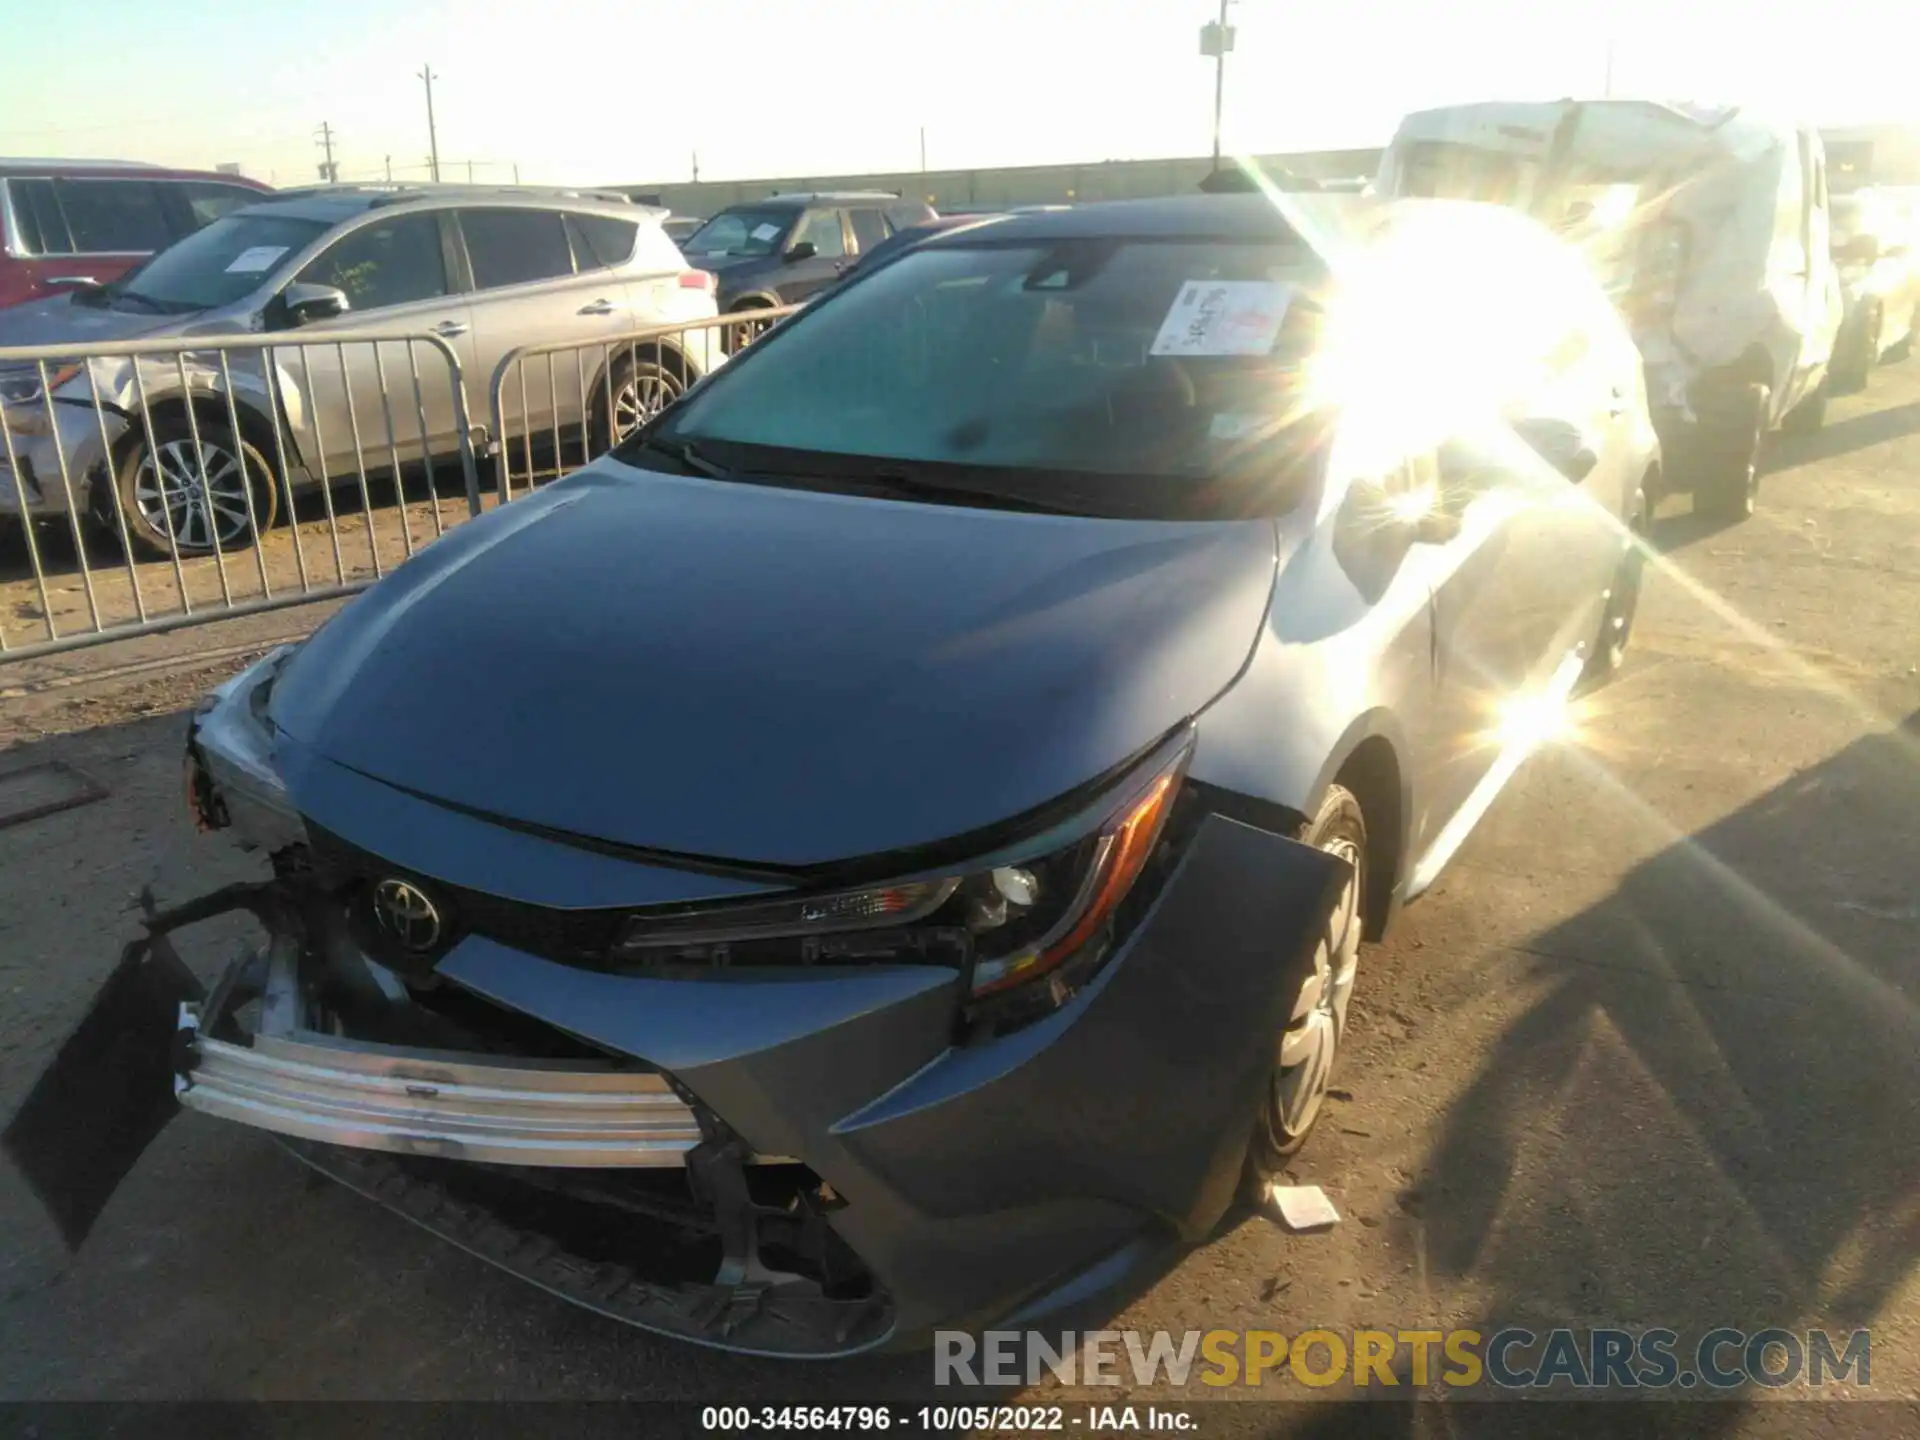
{"x":1319,"y":1021}
{"x":175,"y":505}
{"x":638,"y":400}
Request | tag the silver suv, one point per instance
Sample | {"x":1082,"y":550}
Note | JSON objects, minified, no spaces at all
{"x":486,"y":270}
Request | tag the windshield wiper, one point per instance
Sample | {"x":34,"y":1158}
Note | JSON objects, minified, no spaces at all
{"x":687,"y":454}
{"x":915,"y":484}
{"x":153,"y":306}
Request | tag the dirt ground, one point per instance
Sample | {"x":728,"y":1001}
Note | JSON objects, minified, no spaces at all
{"x":1649,"y":1054}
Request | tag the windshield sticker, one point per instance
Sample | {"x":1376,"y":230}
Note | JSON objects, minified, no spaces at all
{"x":765,"y":231}
{"x":1223,"y":317}
{"x":252,"y":261}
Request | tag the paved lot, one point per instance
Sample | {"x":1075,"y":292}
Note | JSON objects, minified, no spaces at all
{"x":1649,"y":1054}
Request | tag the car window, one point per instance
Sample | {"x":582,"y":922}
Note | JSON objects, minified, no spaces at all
{"x":1791,"y":201}
{"x":229,"y":259}
{"x":43,"y":230}
{"x":208,"y":200}
{"x":515,"y":247}
{"x":113,"y":216}
{"x":740,"y":232}
{"x":390,"y":262}
{"x":869,"y":228}
{"x":822,"y":228}
{"x":602,"y":240}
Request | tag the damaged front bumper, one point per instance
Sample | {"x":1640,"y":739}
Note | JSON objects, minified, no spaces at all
{"x":793,"y":1161}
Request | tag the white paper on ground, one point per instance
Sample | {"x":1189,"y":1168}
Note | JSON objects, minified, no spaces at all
{"x":255,"y":259}
{"x":1223,"y":317}
{"x":1303,"y":1207}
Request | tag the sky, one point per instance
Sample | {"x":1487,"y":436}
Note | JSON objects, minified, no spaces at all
{"x":627,"y":91}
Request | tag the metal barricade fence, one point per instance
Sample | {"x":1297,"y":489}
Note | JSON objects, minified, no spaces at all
{"x":586,"y":396}
{"x":138,"y":473}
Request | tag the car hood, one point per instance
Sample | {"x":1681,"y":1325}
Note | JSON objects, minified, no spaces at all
{"x":57,"y":319}
{"x":764,"y":675}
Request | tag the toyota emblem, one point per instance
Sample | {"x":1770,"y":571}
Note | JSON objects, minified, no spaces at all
{"x":406,"y":916}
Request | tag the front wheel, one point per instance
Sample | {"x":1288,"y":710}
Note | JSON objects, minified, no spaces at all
{"x":176,"y":500}
{"x":1623,"y":602}
{"x":1726,"y":454}
{"x":1309,"y":1044}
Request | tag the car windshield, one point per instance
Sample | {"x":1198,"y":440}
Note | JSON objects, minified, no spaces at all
{"x":1074,"y":372}
{"x":739,"y":232}
{"x":215,"y":266}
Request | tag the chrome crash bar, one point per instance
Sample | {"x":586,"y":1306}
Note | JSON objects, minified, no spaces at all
{"x":413,"y":1102}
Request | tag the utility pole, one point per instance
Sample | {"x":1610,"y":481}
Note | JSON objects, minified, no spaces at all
{"x":923,"y":149}
{"x":389,"y":169}
{"x":696,"y":167}
{"x":469,"y":172}
{"x":1606,"y":90}
{"x":328,"y":171}
{"x":1216,"y":39}
{"x":516,"y":172}
{"x":433,"y":139}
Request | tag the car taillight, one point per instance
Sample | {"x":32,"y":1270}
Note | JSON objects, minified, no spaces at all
{"x":698,"y":280}
{"x":1658,"y":267}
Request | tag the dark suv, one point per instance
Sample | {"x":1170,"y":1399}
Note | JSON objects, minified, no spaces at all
{"x":65,"y":223}
{"x":788,"y":248}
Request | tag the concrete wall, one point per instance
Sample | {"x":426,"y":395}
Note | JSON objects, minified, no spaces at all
{"x":1022,"y":185}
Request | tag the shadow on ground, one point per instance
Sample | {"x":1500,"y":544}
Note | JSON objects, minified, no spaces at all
{"x":1711,"y":1115}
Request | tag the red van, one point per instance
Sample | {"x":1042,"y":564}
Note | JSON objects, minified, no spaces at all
{"x":68,"y":222}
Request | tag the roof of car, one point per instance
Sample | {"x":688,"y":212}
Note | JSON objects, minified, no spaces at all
{"x":330,"y":204}
{"x":1231,"y":217}
{"x":127,"y":169}
{"x":820,"y":197}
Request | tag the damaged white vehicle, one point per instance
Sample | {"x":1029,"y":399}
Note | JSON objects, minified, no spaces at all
{"x":1710,"y":228}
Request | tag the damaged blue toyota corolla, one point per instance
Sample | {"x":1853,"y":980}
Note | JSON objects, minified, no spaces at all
{"x":890,"y":845}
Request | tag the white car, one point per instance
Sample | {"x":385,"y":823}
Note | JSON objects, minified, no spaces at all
{"x":1711,"y":229}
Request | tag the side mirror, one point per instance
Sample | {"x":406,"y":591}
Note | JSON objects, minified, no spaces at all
{"x":307,"y":303}
{"x":1561,"y":444}
{"x":805,"y":250}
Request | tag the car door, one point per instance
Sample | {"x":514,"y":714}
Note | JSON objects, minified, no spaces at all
{"x":528,"y":290}
{"x":826,"y":231}
{"x":396,"y":273}
{"x":1825,"y":310}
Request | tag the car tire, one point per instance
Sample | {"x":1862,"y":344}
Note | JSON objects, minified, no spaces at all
{"x":744,"y":330}
{"x":1810,"y":414}
{"x":1903,"y":347}
{"x":1726,"y":454}
{"x":1849,"y":371}
{"x":1609,"y":650}
{"x":182,"y":525}
{"x":640,"y":389}
{"x":1309,"y":1045}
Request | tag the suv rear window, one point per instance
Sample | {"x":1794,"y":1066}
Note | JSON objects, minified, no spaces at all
{"x":515,"y":247}
{"x":602,"y":240}
{"x":90,"y":217}
{"x":869,"y":228}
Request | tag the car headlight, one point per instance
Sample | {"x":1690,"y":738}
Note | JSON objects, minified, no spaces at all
{"x":230,"y":773}
{"x":20,"y":385}
{"x":1017,"y":918}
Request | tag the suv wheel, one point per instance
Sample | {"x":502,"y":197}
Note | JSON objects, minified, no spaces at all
{"x":170,"y":508}
{"x":1309,"y":1045}
{"x":1726,"y":454}
{"x":640,"y":390}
